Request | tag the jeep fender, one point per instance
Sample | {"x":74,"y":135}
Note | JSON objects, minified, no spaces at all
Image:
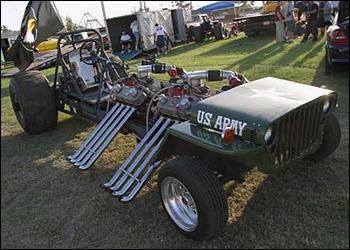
{"x":187,"y":138}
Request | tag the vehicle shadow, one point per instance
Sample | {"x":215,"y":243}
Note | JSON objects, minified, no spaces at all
{"x":258,"y":57}
{"x":270,"y":216}
{"x":32,"y":150}
{"x":178,"y":50}
{"x":48,"y":203}
{"x":297,"y":55}
{"x":40,"y":189}
{"x":277,"y":54}
{"x":244,"y":44}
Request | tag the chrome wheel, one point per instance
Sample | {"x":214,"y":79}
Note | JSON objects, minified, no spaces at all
{"x":179,"y":204}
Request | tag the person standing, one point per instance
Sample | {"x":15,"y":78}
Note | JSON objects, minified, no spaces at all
{"x":136,"y":32}
{"x":289,"y":21}
{"x":301,"y":9}
{"x":324,"y":16}
{"x":279,"y":21}
{"x":311,"y":26}
{"x":160,"y":37}
{"x":343,"y":11}
{"x":327,"y":16}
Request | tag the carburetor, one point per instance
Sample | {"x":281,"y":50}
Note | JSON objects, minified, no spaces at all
{"x":126,"y":91}
{"x":176,"y":103}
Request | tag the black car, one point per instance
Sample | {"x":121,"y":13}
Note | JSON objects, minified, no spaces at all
{"x":337,"y":43}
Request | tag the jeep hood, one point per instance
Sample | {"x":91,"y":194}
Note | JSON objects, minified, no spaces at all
{"x":257,"y":103}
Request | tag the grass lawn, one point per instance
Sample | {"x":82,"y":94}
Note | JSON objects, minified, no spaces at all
{"x":46,"y":203}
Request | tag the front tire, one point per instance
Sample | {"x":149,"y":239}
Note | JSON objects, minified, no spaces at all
{"x":330,"y":140}
{"x":193,"y":197}
{"x":33,"y":102}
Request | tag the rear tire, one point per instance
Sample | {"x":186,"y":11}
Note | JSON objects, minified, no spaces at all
{"x":218,"y":31}
{"x":330,"y":141}
{"x":205,"y":189}
{"x":198,"y":34}
{"x":33,"y":102}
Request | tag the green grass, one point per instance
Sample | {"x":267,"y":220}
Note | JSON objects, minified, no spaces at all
{"x":47,"y":203}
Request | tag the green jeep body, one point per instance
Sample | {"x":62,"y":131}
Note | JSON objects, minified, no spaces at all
{"x":294,"y":112}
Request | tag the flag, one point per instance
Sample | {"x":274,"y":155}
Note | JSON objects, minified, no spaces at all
{"x":40,"y":21}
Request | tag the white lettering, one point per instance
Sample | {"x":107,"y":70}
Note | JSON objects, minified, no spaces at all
{"x":208,"y":116}
{"x":200,"y":116}
{"x":226,"y":123}
{"x":218,"y":123}
{"x":241,"y":127}
{"x":234,"y":125}
{"x":221,"y":122}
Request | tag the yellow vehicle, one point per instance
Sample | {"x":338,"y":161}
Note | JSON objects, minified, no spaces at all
{"x":47,"y":45}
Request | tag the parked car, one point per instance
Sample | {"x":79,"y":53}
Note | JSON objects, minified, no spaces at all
{"x":337,"y":43}
{"x":48,"y":45}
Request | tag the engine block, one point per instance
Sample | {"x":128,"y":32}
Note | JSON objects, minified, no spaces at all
{"x":131,"y":95}
{"x":177,"y":107}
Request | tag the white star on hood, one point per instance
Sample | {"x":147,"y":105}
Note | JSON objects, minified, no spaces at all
{"x":274,"y":94}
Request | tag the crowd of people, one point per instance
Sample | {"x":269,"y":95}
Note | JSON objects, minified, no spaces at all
{"x":314,"y":18}
{"x":288,"y":16}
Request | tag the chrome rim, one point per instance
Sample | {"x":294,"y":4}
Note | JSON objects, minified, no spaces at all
{"x":179,"y":204}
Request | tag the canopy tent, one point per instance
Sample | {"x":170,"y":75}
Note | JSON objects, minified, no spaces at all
{"x":220,"y":5}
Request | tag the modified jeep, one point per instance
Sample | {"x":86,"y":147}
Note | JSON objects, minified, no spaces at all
{"x":198,"y":138}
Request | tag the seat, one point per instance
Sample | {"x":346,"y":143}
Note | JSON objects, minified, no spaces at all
{"x":85,"y":75}
{"x":84,"y":71}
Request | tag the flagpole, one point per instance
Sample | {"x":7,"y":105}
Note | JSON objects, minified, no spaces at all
{"x":58,"y":14}
{"x":105,"y":20}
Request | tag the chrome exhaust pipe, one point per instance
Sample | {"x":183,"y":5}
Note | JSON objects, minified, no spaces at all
{"x":98,"y":140}
{"x":120,"y":183}
{"x":99,"y":134}
{"x":210,"y":75}
{"x":112,"y":133}
{"x":133,"y":154}
{"x":96,"y":134}
{"x":144,"y":178}
{"x":96,"y":130}
{"x":157,"y":68}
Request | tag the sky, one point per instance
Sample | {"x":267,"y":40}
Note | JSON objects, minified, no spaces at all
{"x":12,"y":11}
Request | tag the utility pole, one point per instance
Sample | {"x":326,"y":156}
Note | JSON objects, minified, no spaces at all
{"x":105,"y":20}
{"x":144,"y":6}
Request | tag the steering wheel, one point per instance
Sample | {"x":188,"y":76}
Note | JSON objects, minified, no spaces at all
{"x":90,"y":51}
